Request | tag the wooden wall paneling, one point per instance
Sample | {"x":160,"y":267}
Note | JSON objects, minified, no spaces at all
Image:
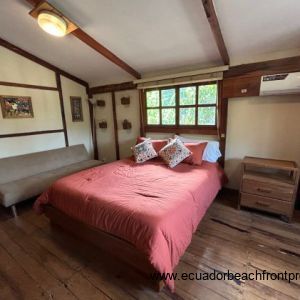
{"x":10,"y":135}
{"x":241,"y":87}
{"x":40,"y":61}
{"x":223,"y":129}
{"x":177,"y":107}
{"x":284,"y":65}
{"x":222,"y":121}
{"x":93,"y":125}
{"x":117,"y":146}
{"x":142,"y":112}
{"x":28,"y":86}
{"x":216,"y":30}
{"x":297,"y":206}
{"x":61,"y":99}
{"x":34,"y":2}
{"x":94,"y":132}
{"x":113,"y":88}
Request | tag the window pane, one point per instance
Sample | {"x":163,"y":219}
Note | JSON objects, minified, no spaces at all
{"x":152,"y":98}
{"x":187,"y":95}
{"x":168,"y":116}
{"x":206,"y":116}
{"x":152,"y":116}
{"x":187,"y":116}
{"x":208,"y":94}
{"x":168,"y":97}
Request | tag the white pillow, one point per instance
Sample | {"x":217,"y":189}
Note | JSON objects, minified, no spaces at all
{"x":212,"y":150}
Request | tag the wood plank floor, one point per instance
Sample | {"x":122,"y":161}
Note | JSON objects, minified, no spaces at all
{"x":39,"y":263}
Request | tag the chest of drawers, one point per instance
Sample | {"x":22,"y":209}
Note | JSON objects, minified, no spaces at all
{"x":269,"y":185}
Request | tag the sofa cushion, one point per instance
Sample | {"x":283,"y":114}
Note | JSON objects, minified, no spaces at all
{"x":22,"y":166}
{"x":19,"y":190}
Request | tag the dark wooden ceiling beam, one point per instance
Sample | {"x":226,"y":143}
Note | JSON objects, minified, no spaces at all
{"x":28,"y":86}
{"x":40,"y":61}
{"x":95,"y":45}
{"x":113,"y":88}
{"x":216,"y":30}
{"x":88,"y":40}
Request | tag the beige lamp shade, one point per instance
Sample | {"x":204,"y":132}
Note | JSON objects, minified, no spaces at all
{"x":52,"y":23}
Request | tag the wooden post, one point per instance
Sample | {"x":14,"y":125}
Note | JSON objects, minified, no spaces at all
{"x":113,"y":97}
{"x":61,"y":99}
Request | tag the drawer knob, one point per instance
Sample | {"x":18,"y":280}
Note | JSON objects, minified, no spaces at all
{"x":244,"y":91}
{"x":262,"y":204}
{"x":263,"y":190}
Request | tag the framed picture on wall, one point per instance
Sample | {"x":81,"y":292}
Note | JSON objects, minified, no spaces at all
{"x":14,"y":107}
{"x":76,"y":109}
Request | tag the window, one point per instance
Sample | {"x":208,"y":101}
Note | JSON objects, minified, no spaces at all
{"x":182,"y":106}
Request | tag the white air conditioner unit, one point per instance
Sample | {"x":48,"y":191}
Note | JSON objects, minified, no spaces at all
{"x":280,"y":84}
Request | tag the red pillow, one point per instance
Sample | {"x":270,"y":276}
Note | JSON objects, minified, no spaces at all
{"x":157,"y":144}
{"x":197,"y":150}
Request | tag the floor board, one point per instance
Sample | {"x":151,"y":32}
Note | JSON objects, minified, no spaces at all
{"x":39,"y":263}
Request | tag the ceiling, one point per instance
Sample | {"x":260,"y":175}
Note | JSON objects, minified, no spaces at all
{"x":254,"y":28}
{"x":154,"y":36}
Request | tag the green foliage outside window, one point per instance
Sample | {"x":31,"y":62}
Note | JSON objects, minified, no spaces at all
{"x":161,"y":105}
{"x":187,"y":95}
{"x":207,"y":94}
{"x":152,"y":98}
{"x":187,"y":116}
{"x":153,"y":116}
{"x":206,"y":115}
{"x":168,"y":97}
{"x":168,"y":116}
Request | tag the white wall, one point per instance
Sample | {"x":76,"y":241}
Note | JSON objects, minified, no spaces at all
{"x":78,"y":132}
{"x":106,"y":136}
{"x":261,"y":126}
{"x":31,"y":143}
{"x":46,"y":108}
{"x":127,"y":138}
{"x":131,"y":112}
{"x":16,"y":68}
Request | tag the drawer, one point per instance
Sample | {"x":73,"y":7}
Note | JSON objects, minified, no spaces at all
{"x":266,"y":204}
{"x":268,"y":189}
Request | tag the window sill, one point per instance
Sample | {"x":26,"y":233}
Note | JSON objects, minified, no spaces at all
{"x":205,"y":130}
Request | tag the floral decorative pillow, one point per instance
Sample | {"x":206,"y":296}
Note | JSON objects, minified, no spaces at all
{"x":143,"y":151}
{"x":174,"y":153}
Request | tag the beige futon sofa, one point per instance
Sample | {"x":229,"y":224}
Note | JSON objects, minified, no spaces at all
{"x":26,"y":176}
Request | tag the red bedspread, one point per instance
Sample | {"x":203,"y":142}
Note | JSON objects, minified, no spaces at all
{"x":154,"y":207}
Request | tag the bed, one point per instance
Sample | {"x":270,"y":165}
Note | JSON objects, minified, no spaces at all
{"x":148,"y":209}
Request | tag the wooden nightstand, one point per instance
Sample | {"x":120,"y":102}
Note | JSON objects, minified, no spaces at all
{"x":269,"y":185}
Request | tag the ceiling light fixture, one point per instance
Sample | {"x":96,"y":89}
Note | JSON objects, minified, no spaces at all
{"x":52,"y":23}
